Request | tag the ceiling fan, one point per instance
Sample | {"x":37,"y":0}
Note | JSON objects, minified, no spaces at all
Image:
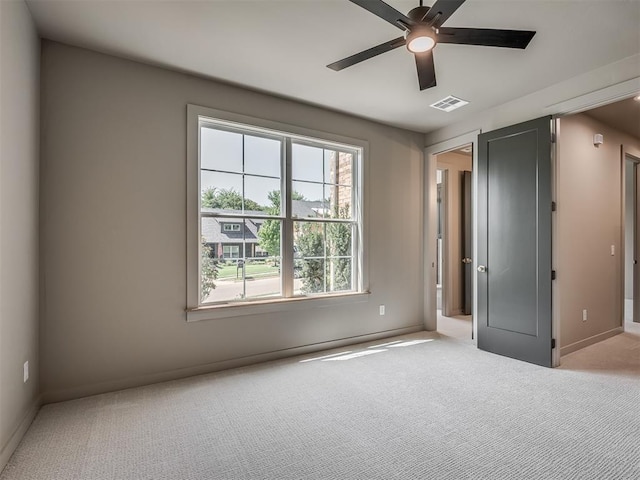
{"x":423,"y":31}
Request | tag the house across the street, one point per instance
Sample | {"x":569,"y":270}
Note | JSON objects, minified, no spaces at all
{"x":225,"y":236}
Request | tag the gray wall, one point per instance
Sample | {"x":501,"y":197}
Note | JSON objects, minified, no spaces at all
{"x":114,"y":239}
{"x":589,"y":222}
{"x":19,"y":127}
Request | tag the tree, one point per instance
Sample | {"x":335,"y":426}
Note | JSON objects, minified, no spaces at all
{"x":269,"y":233}
{"x":326,"y":273}
{"x":208,"y":271}
{"x":339,"y":245}
{"x":310,"y":243}
{"x":227,"y":199}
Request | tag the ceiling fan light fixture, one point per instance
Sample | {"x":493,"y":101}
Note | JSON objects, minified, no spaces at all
{"x":420,"y":40}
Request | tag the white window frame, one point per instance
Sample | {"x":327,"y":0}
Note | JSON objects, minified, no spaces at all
{"x":232,"y":227}
{"x":231,"y":249}
{"x":359,"y":148}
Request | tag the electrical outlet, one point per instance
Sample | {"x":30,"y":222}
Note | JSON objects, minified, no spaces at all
{"x":584,"y":315}
{"x":381,"y":309}
{"x":613,"y":250}
{"x":25,"y":371}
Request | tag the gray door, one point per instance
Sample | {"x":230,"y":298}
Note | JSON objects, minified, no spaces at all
{"x":467,"y":244}
{"x":514,"y":241}
{"x":636,"y":245}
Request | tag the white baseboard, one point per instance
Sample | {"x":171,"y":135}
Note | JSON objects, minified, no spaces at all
{"x":105,"y":387}
{"x":590,"y":341}
{"x":8,"y":448}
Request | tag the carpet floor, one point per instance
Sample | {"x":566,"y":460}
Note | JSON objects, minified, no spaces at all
{"x":421,"y":406}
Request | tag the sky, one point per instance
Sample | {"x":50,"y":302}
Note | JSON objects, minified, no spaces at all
{"x":222,"y":151}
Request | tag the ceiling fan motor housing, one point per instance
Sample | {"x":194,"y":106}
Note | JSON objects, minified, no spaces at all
{"x":421,"y":31}
{"x":418,"y":13}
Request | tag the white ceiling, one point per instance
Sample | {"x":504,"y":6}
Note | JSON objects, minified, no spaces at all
{"x":283,"y":47}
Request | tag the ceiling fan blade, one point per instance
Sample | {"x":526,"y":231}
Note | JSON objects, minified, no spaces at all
{"x":487,"y":37}
{"x":445,"y":8}
{"x":367,"y":54}
{"x":385,"y":12}
{"x":426,"y":70}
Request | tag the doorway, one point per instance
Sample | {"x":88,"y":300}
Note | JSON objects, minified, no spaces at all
{"x":454,"y":242}
{"x":597,"y":224}
{"x":631,"y":241}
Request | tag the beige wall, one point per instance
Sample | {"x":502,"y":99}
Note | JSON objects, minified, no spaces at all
{"x":114,"y":203}
{"x":19,"y":126}
{"x":589,"y":222}
{"x":455,"y":164}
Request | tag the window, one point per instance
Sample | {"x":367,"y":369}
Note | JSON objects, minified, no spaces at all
{"x":231,"y":251}
{"x":290,"y":210}
{"x":231,"y":227}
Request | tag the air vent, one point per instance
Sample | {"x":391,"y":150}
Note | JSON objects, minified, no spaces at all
{"x":449,"y":104}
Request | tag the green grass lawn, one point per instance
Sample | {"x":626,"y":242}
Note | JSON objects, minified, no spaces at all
{"x":251,"y":270}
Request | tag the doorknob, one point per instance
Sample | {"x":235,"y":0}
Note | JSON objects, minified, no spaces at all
{"x":467,"y":260}
{"x":482,"y":268}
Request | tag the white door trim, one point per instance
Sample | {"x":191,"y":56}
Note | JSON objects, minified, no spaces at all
{"x":633,"y":155}
{"x":430,"y":224}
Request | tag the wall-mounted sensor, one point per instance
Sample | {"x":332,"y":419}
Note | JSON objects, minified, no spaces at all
{"x":598,"y":139}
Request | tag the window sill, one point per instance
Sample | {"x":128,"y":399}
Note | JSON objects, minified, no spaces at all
{"x":214,"y":312}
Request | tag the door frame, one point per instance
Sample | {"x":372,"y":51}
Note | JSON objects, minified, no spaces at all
{"x":430,"y":206}
{"x":633,"y":155}
{"x":566,"y":106}
{"x":443,"y":258}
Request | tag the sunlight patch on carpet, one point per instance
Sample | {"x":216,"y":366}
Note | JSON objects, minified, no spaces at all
{"x":353,"y":355}
{"x":410,"y":343}
{"x":325,"y":356}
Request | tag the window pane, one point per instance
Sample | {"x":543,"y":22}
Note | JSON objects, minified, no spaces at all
{"x":308,"y":239}
{"x":208,"y":253}
{"x":267,"y":239}
{"x":262,"y":278}
{"x":221,"y":191}
{"x":330,"y":164}
{"x":307,"y":163}
{"x":338,"y":241}
{"x":309,"y":252}
{"x":311,"y":204}
{"x":338,"y":167}
{"x":311,"y":276}
{"x":228,"y":283}
{"x":220,"y":150}
{"x":262,"y":156}
{"x":345,"y":169}
{"x":339,"y":275}
{"x":338,"y":201}
{"x":260,"y":193}
{"x":240,"y":265}
{"x":305,"y":208}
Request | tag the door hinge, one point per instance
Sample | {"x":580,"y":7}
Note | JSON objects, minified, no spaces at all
{"x":554,"y":206}
{"x":553,"y":274}
{"x":553,"y":138}
{"x":553,"y":343}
